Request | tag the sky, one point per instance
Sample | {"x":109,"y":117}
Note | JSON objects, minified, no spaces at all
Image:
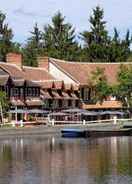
{"x":23,"y":14}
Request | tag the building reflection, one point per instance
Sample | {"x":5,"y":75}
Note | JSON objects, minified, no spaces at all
{"x":57,"y":160}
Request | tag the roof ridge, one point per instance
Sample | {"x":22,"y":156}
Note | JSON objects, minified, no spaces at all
{"x":79,"y":62}
{"x":35,"y":68}
{"x":10,"y":64}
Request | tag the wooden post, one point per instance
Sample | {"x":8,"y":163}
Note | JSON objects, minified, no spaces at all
{"x":84,"y":122}
{"x":115,"y":120}
{"x":1,"y":112}
{"x":53,"y":122}
{"x":16,"y":114}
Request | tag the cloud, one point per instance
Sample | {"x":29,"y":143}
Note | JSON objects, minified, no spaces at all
{"x":22,"y":14}
{"x":21,"y":11}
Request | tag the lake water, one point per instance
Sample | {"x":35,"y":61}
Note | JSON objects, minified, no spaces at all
{"x":55,"y":160}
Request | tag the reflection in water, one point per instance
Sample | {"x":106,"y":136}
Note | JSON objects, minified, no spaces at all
{"x":53,"y":160}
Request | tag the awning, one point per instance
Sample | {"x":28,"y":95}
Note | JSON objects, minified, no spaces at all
{"x":18,"y":102}
{"x":56,"y":95}
{"x":90,"y":113}
{"x":30,"y":111}
{"x":74,"y":96}
{"x":34,"y":102}
{"x":66,"y":95}
{"x":111,"y":113}
{"x":38,"y":111}
{"x":76,"y":110}
{"x":57,"y":114}
{"x":45,"y":95}
{"x":22,"y":111}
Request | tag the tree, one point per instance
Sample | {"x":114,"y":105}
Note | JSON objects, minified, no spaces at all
{"x":33,"y":48}
{"x":123,"y":89}
{"x":59,"y":39}
{"x":3,"y":104}
{"x":99,"y":46}
{"x":101,"y":87}
{"x":96,"y":40}
{"x":6,"y":35}
{"x":119,"y":49}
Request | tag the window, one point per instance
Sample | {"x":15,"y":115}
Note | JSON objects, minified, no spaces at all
{"x":86,"y":94}
{"x":60,"y":103}
{"x":21,"y":92}
{"x":77,"y":103}
{"x":82,"y":93}
{"x":69,"y":103}
{"x":15,"y":92}
{"x":30,"y":91}
{"x":65,"y":103}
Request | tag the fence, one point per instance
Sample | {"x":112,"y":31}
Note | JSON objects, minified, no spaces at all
{"x":52,"y":122}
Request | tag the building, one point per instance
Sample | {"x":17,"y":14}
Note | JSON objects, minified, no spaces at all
{"x":54,"y":85}
{"x":34,"y":91}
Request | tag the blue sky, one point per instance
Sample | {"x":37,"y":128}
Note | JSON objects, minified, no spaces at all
{"x":22,"y":14}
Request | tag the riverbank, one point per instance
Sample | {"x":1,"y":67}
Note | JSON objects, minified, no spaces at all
{"x":52,"y":130}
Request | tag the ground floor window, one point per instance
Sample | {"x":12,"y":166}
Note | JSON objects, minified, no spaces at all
{"x":69,"y":103}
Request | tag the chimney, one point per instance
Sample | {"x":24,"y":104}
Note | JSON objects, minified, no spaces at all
{"x":14,"y":58}
{"x":43,"y":62}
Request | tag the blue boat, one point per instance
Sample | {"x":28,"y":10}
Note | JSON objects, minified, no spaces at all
{"x":72,"y":133}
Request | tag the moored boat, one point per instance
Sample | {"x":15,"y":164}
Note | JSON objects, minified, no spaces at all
{"x":73,"y":133}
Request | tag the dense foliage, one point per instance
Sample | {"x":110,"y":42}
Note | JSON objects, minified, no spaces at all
{"x":6,"y":35}
{"x":59,"y":40}
{"x":100,"y":85}
{"x":99,"y":46}
{"x":122,"y":90}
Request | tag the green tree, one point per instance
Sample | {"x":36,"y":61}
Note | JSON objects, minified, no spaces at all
{"x":100,"y":84}
{"x":33,"y":48}
{"x":96,"y":40}
{"x":6,"y":35}
{"x":59,"y":39}
{"x":123,"y":89}
{"x":99,"y":46}
{"x":119,"y":49}
{"x":4,"y":105}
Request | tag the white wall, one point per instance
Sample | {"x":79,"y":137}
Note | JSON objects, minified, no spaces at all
{"x":59,"y":75}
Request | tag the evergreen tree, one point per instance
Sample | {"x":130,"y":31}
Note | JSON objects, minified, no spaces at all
{"x":33,"y":48}
{"x":6,"y":35}
{"x":96,"y":40}
{"x":119,"y":50}
{"x":99,"y":46}
{"x":59,"y":39}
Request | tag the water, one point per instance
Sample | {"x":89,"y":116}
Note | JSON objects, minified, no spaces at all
{"x":55,"y":160}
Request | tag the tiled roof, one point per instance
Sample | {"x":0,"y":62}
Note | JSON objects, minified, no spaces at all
{"x":36,"y":74}
{"x":32,"y":84}
{"x":46,"y":84}
{"x":51,"y":84}
{"x":81,"y":72}
{"x":3,"y":80}
{"x":12,"y":69}
{"x":18,"y":82}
